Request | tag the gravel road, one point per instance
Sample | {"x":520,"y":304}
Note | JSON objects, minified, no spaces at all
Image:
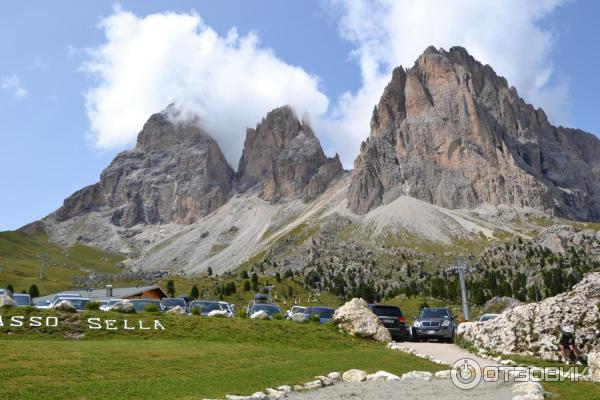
{"x":417,"y":390}
{"x":448,"y":353}
{"x":410,"y":390}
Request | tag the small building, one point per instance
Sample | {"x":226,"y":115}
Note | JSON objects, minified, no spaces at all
{"x":138,"y":292}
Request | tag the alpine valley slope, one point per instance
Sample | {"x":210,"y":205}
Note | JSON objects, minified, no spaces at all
{"x":454,"y":156}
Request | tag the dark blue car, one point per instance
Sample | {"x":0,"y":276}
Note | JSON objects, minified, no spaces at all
{"x":325,"y":314}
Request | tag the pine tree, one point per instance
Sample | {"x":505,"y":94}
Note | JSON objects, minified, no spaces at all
{"x":194,"y":294}
{"x":247,"y":286}
{"x":33,"y":291}
{"x":171,"y":288}
{"x":209,"y":271}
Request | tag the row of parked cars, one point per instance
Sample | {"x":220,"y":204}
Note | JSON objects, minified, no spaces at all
{"x":431,"y":323}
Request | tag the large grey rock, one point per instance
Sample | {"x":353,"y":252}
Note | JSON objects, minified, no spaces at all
{"x":535,"y":328}
{"x":284,"y":157}
{"x":176,"y":173}
{"x":451,"y":132}
{"x":357,"y":319}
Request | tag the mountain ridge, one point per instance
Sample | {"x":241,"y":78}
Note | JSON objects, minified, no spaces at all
{"x":451,"y":132}
{"x":429,"y":177}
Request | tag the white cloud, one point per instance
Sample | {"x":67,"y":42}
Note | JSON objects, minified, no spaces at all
{"x":12,"y":84}
{"x":230,"y":82}
{"x":387,"y":33}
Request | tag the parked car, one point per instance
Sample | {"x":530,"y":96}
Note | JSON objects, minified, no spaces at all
{"x":171,"y":302}
{"x":57,"y":298}
{"x":434,"y":323}
{"x":77,"y":301}
{"x":139,"y":305}
{"x":110,"y":304}
{"x":206,"y":306}
{"x":392,"y":318}
{"x":230,"y":307}
{"x":325,"y":314}
{"x":270,"y":308}
{"x":295,"y":310}
{"x":22,"y":299}
{"x":487,"y":317}
{"x":7,"y":292}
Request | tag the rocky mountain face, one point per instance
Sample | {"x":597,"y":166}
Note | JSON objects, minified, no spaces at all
{"x":284,"y":157}
{"x":176,"y":173}
{"x":453,"y":133}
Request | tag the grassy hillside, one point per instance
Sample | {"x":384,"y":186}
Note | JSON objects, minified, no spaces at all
{"x":195,"y":357}
{"x":20,"y":262}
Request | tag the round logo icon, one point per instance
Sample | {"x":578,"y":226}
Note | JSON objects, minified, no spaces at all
{"x":466,"y":373}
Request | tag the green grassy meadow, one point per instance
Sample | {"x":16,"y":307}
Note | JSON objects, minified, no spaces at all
{"x":20,"y":264}
{"x":193,"y":358}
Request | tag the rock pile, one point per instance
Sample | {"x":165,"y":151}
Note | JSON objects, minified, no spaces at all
{"x":534,"y":329}
{"x":357,"y":319}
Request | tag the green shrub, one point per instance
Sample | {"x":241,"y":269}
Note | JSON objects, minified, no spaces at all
{"x":92,"y":305}
{"x":196,"y":310}
{"x":151,"y":308}
{"x":315,"y":318}
{"x":278,"y":317}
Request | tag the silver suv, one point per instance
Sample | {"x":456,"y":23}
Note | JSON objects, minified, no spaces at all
{"x":434,"y":323}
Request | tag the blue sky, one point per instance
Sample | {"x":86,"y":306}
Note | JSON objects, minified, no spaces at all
{"x":51,"y":144}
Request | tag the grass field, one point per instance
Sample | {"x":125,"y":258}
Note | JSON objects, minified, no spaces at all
{"x":194,"y":357}
{"x":20,"y":264}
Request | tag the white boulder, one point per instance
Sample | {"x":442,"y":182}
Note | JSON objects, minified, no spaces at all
{"x":335,"y":377}
{"x":382,"y":376}
{"x":312,"y":385}
{"x":65,"y":305}
{"x":417,"y":376}
{"x":260,"y":315}
{"x":299,"y":317}
{"x":354,"y":375}
{"x":6,"y":301}
{"x":177,"y":310}
{"x":324,"y":380}
{"x":219,"y":314}
{"x":445,"y":374}
{"x":357,"y":319}
{"x":125,"y":307}
{"x":274,"y":394}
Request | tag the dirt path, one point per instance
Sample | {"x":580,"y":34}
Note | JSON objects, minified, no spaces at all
{"x":448,"y":353}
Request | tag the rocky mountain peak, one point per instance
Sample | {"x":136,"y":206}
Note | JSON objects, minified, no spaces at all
{"x":284,"y":158}
{"x":450,"y":131}
{"x":176,"y":173}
